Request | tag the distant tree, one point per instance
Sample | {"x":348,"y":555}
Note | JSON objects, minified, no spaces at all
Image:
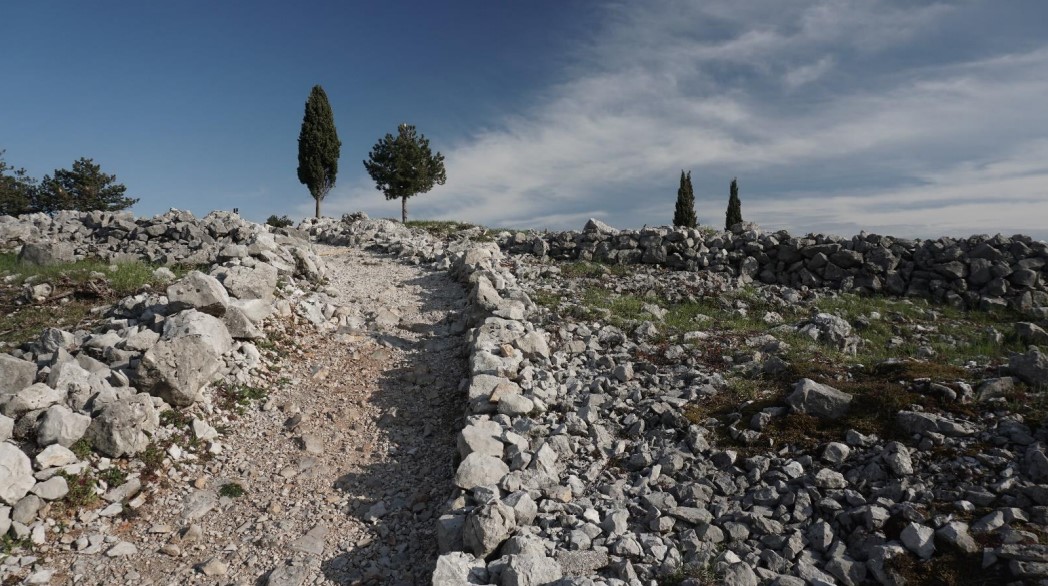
{"x":684,"y":214}
{"x":318,"y":147}
{"x":734,"y":214}
{"x":403,"y":166}
{"x":84,"y":188}
{"x":17,"y":190}
{"x":279,"y":222}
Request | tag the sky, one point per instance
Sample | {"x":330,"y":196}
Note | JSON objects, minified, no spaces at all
{"x":897,"y":117}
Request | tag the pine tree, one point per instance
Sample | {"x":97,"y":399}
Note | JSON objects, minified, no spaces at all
{"x":684,"y":214}
{"x":17,"y":190}
{"x":84,"y":188}
{"x":404,"y":166}
{"x":734,"y":214}
{"x":318,"y":147}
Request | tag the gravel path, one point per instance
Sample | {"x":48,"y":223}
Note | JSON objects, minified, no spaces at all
{"x":345,"y":464}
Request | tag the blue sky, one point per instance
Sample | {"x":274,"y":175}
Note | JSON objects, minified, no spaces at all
{"x":911,"y":118}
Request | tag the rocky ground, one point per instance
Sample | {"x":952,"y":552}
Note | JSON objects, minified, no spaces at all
{"x":329,"y":466}
{"x":623,"y":424}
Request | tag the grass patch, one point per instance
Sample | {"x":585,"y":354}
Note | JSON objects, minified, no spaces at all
{"x":153,"y":459}
{"x":81,"y":448}
{"x":113,"y":476}
{"x":78,"y":288}
{"x":949,"y":569}
{"x":81,"y":490}
{"x":231,"y":490}
{"x":239,"y":397}
{"x":442,"y":228}
{"x":174,"y":417}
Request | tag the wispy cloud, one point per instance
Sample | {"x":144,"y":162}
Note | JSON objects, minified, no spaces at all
{"x":788,"y":90}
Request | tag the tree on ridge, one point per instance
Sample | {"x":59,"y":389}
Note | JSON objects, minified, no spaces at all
{"x":734,"y":214}
{"x":403,"y":166}
{"x":684,"y":213}
{"x":83,"y":188}
{"x":318,"y":147}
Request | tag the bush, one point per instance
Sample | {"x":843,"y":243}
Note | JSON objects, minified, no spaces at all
{"x":281,"y":222}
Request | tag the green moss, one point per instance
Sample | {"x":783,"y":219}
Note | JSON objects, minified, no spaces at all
{"x":231,"y":490}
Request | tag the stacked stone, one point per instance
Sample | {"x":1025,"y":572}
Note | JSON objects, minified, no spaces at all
{"x":579,"y":466}
{"x":980,"y":271}
{"x":175,"y":237}
{"x":108,"y":386}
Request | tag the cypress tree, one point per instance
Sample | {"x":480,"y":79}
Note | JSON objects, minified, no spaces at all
{"x":734,"y":214}
{"x":318,"y":147}
{"x":684,"y":213}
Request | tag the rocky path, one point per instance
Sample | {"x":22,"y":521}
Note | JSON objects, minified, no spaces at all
{"x":344,"y":464}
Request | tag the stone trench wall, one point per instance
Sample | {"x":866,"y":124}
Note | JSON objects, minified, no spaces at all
{"x":980,"y":271}
{"x":566,"y":444}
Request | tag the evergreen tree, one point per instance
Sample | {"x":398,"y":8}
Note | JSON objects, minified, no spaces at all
{"x":404,"y":166}
{"x":318,"y":147}
{"x":684,"y":213}
{"x":17,"y":190}
{"x":84,"y":188}
{"x":734,"y":214}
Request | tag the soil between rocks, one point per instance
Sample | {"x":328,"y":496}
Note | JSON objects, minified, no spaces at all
{"x":344,"y":465}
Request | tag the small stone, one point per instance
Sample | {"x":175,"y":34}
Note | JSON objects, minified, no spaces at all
{"x":122,"y":549}
{"x":214,"y":567}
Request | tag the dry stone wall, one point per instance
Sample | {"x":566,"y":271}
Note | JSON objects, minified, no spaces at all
{"x":980,"y":271}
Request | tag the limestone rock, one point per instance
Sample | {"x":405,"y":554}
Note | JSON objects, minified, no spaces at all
{"x":15,"y":374}
{"x":198,"y":291}
{"x":487,"y":527}
{"x":817,"y":399}
{"x":123,"y":427}
{"x":479,"y":470}
{"x":60,"y":425}
{"x":16,"y":473}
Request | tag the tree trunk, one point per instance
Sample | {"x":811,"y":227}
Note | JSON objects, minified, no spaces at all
{"x":404,"y":210}
{"x":318,"y":206}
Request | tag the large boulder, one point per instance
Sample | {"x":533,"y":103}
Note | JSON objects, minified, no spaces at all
{"x":123,"y":427}
{"x":200,"y":325}
{"x":1030,"y":367}
{"x":16,"y":473}
{"x":243,"y":282}
{"x":76,"y":384}
{"x":478,"y":469}
{"x":15,"y":374}
{"x":459,"y":569}
{"x":532,"y":570}
{"x":818,"y":399}
{"x":487,"y":527}
{"x":186,"y":359}
{"x":60,"y":425}
{"x":46,"y":253}
{"x":198,"y":291}
{"x":31,"y":398}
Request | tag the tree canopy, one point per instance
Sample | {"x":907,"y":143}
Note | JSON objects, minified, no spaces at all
{"x":684,"y":213}
{"x":17,"y":190}
{"x":84,"y":188}
{"x":403,"y":166}
{"x":318,"y":147}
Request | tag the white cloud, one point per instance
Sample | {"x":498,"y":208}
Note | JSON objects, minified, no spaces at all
{"x":727,"y":89}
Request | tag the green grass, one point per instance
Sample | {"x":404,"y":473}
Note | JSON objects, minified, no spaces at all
{"x":113,"y":476}
{"x":231,"y":490}
{"x":81,"y":490}
{"x":124,"y":278}
{"x":81,"y":448}
{"x":441,"y":228}
{"x":78,"y":288}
